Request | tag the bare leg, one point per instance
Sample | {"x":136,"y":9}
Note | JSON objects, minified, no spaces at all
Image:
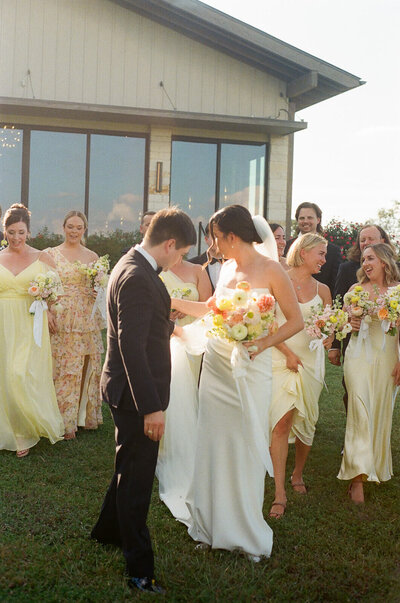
{"x":356,"y":490}
{"x":302,"y":452}
{"x":279,"y":452}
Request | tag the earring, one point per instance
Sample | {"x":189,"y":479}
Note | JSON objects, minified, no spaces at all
{"x":232,"y":246}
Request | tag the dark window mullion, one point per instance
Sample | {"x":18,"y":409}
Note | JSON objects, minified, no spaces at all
{"x":87,"y":175}
{"x":217,"y":176}
{"x":26,"y":153}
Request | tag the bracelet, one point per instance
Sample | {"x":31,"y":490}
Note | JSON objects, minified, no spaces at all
{"x":333,"y":349}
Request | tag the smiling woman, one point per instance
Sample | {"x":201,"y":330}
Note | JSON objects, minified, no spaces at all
{"x":371,"y":373}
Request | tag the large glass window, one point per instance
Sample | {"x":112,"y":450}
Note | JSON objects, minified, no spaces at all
{"x":196,"y":166}
{"x":57,"y":178}
{"x":242,"y":176}
{"x":116,"y":188}
{"x":10,"y":166}
{"x":193,"y":175}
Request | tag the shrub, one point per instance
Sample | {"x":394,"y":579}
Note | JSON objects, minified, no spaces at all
{"x":342,"y":233}
{"x":112,"y":243}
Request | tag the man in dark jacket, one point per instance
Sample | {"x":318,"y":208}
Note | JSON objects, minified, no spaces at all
{"x":308,"y":216}
{"x":135,"y":384}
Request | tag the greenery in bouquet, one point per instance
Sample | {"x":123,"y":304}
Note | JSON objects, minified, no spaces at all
{"x":96,"y":272}
{"x":388,"y":305}
{"x":242,"y":315}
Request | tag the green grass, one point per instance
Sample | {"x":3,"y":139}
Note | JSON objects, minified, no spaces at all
{"x":325,"y":549}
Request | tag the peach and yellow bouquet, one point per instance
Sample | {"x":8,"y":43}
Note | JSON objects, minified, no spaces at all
{"x":358,"y":303}
{"x":242,"y":315}
{"x":45,"y":287}
{"x":388,"y":306}
{"x":327,"y":321}
{"x":96,"y":272}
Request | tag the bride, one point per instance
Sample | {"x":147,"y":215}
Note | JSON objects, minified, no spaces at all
{"x":231,"y":458}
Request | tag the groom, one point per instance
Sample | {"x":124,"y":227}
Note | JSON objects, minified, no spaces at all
{"x":135,"y":383}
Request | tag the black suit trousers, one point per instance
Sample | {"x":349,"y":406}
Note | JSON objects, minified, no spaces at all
{"x":122,"y":519}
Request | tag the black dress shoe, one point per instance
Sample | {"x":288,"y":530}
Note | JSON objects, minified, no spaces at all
{"x":148,"y":585}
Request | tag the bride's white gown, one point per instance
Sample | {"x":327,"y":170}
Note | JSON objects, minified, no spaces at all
{"x":227,"y":493}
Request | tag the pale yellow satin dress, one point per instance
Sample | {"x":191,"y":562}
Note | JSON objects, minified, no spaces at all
{"x":296,"y":391}
{"x":371,"y":392}
{"x":28,"y":404}
{"x":175,"y":463}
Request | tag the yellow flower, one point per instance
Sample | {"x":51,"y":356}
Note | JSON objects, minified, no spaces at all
{"x":224,"y":303}
{"x":358,"y":289}
{"x":254,"y":330}
{"x":394,"y":303}
{"x":333,"y":319}
{"x":218,"y":321}
{"x":355,"y":299}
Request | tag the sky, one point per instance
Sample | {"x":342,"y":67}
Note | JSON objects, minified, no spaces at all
{"x":348,"y":159}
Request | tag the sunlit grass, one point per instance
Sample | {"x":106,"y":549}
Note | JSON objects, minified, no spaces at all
{"x":325,"y":549}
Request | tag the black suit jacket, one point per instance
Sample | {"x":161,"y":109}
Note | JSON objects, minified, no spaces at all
{"x":329,"y":270}
{"x":137,"y":368}
{"x":346,"y":277}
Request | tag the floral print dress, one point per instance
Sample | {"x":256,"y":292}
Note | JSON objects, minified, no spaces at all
{"x":76,"y":347}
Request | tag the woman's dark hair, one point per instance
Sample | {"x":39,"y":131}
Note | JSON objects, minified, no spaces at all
{"x":318,"y":213}
{"x":17,"y":213}
{"x":171,"y":223}
{"x":237,"y":220}
{"x":354,"y":252}
{"x":274,"y":226}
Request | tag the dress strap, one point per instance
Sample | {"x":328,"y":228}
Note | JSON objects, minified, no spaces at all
{"x":317,"y":287}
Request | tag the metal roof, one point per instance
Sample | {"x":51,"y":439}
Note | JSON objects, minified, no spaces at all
{"x":309,"y":79}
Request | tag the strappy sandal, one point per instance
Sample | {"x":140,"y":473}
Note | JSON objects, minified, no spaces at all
{"x":277,"y":514}
{"x":21,"y":453}
{"x":298,"y":485}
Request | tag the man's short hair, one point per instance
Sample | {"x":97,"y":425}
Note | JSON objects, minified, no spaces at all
{"x":147,"y":213}
{"x":171,"y":223}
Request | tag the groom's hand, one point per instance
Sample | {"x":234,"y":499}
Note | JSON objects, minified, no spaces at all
{"x":154,"y":425}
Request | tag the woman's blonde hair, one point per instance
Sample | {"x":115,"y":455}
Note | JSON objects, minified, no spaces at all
{"x":307,"y":242}
{"x":386,"y":254}
{"x":78,"y":214}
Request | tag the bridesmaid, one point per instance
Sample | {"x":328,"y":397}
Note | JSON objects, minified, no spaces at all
{"x":295,"y":388}
{"x":175,"y":463}
{"x":76,"y":344}
{"x":371,"y":376}
{"x":279,"y":236}
{"x":28,"y":404}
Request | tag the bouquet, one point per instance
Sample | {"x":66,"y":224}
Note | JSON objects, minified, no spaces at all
{"x":328,"y":321}
{"x":322,"y":323}
{"x":242,"y":315}
{"x":180,"y":293}
{"x":388,"y":305}
{"x":357,"y":303}
{"x":97,"y":274}
{"x":3,"y":244}
{"x":44,"y":288}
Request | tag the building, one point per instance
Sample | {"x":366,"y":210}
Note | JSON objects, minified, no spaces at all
{"x":113,"y":107}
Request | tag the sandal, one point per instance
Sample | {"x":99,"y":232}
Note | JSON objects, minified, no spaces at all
{"x":277,"y":514}
{"x":298,"y":485}
{"x":21,"y":453}
{"x":69,"y":436}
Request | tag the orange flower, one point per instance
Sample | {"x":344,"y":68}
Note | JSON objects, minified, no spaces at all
{"x":243,"y":285}
{"x":382,"y":314}
{"x":320,"y":323}
{"x":265,"y":303}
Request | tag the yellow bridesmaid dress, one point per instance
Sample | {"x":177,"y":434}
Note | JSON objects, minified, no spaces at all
{"x":296,"y":391}
{"x":28,"y":404}
{"x":371,"y":389}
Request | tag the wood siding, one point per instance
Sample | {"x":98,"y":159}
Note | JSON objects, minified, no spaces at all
{"x":94,"y":51}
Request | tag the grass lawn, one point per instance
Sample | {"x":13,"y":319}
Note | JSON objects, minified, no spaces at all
{"x":325,"y":549}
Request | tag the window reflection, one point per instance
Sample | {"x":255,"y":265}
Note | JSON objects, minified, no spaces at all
{"x":242,"y":176}
{"x":10,"y":166}
{"x":116,"y":191}
{"x":193,"y":176}
{"x":57,"y":178}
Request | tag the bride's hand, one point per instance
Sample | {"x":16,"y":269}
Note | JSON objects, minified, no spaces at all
{"x":254,"y":347}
